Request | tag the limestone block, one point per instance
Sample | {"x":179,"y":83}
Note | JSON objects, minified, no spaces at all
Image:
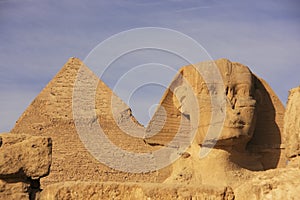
{"x":24,"y":156}
{"x":272,"y":184}
{"x":14,"y":190}
{"x":141,"y":191}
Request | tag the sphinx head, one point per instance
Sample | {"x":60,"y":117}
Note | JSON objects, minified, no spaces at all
{"x":240,"y":118}
{"x":239,"y":124}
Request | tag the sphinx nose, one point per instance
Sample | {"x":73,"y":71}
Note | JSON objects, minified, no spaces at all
{"x":238,"y":112}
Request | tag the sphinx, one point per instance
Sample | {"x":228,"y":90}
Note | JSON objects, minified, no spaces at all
{"x":250,"y":138}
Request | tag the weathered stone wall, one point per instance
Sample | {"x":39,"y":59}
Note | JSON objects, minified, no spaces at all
{"x":273,"y":184}
{"x":141,"y":191}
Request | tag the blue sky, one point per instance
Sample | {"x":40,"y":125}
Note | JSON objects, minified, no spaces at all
{"x":38,"y":37}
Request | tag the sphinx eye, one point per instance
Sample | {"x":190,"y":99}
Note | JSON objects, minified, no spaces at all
{"x":243,"y":90}
{"x":230,"y":92}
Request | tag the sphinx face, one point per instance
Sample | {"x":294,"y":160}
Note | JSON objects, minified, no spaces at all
{"x":240,"y":109}
{"x":240,"y":117}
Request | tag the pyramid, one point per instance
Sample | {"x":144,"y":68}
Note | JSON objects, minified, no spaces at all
{"x":51,"y":114}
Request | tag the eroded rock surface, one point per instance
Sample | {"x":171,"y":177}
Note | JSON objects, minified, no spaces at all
{"x":272,"y":184}
{"x":24,"y":159}
{"x":25,"y":155}
{"x":292,"y":127}
{"x":141,"y":191}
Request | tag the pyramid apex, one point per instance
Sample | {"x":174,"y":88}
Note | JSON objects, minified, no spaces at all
{"x":74,"y":59}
